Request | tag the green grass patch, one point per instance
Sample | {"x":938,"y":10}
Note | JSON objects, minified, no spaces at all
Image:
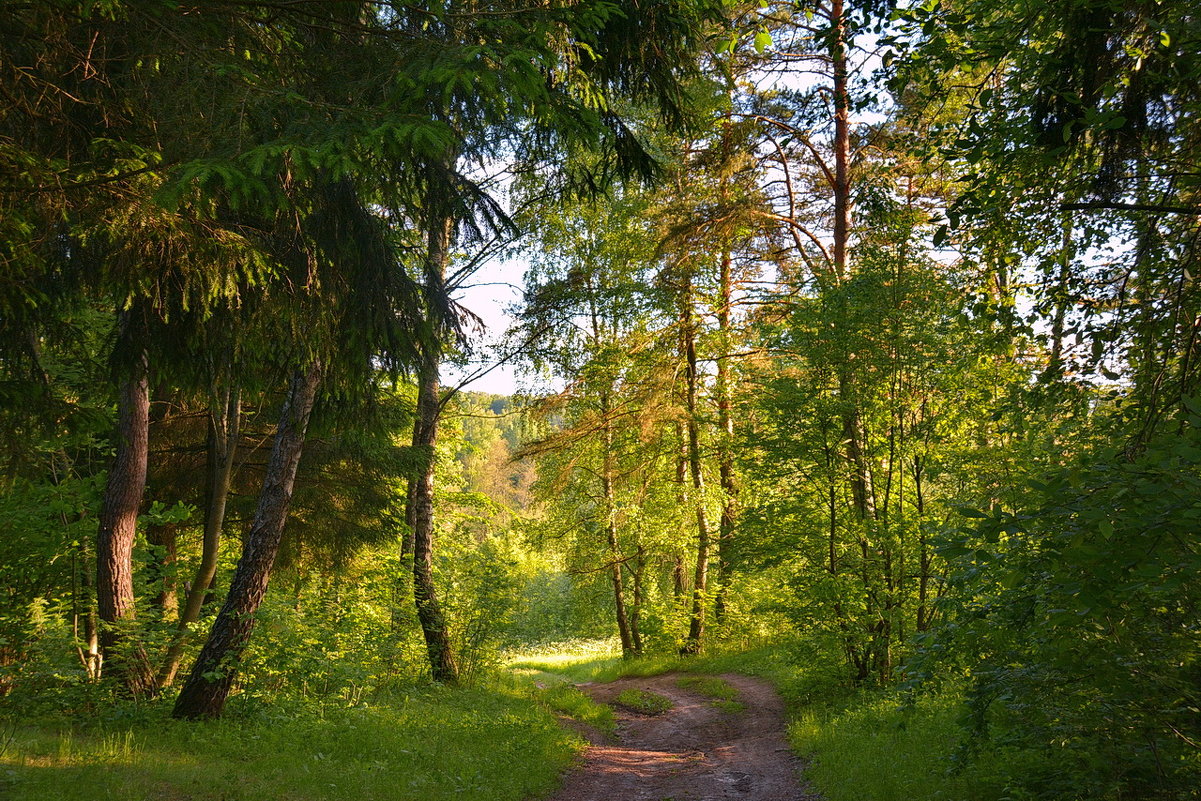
{"x":724,"y":695}
{"x":878,"y":748}
{"x":432,"y":745}
{"x":644,"y":701}
{"x":567,"y":700}
{"x":710,"y":687}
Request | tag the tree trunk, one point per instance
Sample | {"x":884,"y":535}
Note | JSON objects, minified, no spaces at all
{"x":842,"y":139}
{"x":725,"y":423}
{"x":615,"y":558}
{"x":443,"y":666}
{"x":225,"y":417}
{"x":118,"y":526}
{"x":678,"y":576}
{"x":639,"y":597}
{"x":211,"y":680}
{"x":696,"y":623}
{"x":85,"y":610}
{"x":420,"y":510}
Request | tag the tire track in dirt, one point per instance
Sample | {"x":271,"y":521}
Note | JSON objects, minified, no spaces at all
{"x":696,"y":751}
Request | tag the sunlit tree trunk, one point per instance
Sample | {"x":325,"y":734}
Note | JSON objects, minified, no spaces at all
{"x":443,"y":665}
{"x":610,"y":509}
{"x":725,"y":424}
{"x":420,"y":510}
{"x":696,"y":622}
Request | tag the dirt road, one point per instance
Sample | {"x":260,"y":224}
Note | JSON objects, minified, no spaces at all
{"x":699,"y":750}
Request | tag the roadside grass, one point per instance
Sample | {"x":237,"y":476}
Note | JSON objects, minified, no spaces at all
{"x":430,"y":745}
{"x":877,"y":747}
{"x":644,"y":701}
{"x":859,"y":744}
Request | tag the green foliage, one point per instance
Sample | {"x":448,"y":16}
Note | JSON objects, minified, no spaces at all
{"x":1074,"y":621}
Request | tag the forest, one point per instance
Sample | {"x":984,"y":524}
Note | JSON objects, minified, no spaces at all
{"x":858,"y":372}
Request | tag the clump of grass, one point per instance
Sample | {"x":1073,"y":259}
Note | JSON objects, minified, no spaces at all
{"x":567,"y":700}
{"x":710,"y":687}
{"x":724,"y":694}
{"x":644,"y":701}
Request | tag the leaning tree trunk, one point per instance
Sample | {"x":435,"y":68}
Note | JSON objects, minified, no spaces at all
{"x":209,"y":684}
{"x":123,"y":655}
{"x":224,"y":424}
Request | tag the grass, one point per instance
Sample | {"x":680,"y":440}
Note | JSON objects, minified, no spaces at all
{"x":596,"y":661}
{"x":567,"y":700}
{"x":724,"y":695}
{"x":431,"y":745}
{"x":644,"y":701}
{"x":878,"y":748}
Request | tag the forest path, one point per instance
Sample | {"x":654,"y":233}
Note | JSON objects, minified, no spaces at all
{"x":701,"y":749}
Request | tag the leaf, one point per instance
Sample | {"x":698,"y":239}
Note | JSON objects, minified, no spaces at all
{"x":762,"y":41}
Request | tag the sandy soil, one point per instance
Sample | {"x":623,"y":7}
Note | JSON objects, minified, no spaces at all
{"x":696,"y":751}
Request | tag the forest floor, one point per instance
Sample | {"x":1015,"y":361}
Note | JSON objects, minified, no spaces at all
{"x":720,"y":738}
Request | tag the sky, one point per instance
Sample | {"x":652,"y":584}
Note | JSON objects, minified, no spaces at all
{"x":495,"y":288}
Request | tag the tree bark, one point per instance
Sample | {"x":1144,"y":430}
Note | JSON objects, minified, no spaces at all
{"x":211,"y":679}
{"x":615,"y":558}
{"x":420,"y":510}
{"x":639,"y":596}
{"x":696,"y":623}
{"x":842,"y":139}
{"x":118,"y":527}
{"x":225,"y":417}
{"x":725,"y":423}
{"x":443,"y":665}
